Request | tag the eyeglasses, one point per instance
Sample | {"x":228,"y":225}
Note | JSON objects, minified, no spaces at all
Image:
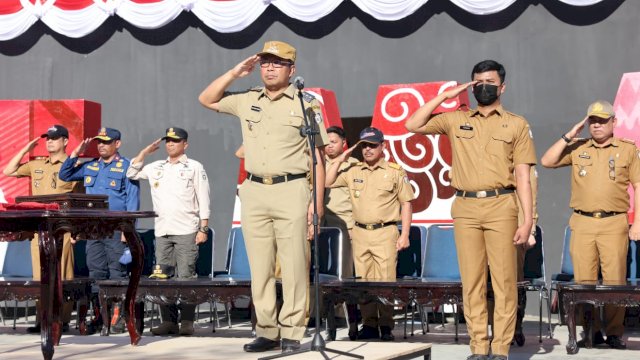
{"x":612,"y":169}
{"x":277,"y":64}
{"x":597,"y":120}
{"x":370,"y":145}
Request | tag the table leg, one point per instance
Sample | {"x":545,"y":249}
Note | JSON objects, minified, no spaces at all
{"x":50,"y":291}
{"x":352,"y":310}
{"x":137,"y":254}
{"x":570,"y":312}
{"x":331,"y":317}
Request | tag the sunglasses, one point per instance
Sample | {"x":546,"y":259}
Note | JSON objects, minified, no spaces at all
{"x":105,"y":142}
{"x":369,"y":145}
{"x":277,"y":64}
{"x":170,"y":140}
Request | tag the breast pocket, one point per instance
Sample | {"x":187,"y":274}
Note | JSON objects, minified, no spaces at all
{"x":582,"y":167}
{"x":386,"y":187}
{"x":115,"y":180}
{"x":464,"y":134}
{"x":90,"y":178}
{"x":292,"y":125}
{"x":252,"y":126}
{"x":621,"y":171}
{"x":500,"y":144}
{"x":186,"y":177}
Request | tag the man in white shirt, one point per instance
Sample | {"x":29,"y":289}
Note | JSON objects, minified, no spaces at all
{"x":180,"y":195}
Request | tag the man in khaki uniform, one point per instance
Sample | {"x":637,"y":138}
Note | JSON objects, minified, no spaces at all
{"x":276,"y":205}
{"x":603,"y":167}
{"x":380,"y":196}
{"x":45,"y":181}
{"x":336,"y":200}
{"x":492,"y":153}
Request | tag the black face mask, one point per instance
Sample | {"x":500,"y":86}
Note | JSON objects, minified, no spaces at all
{"x":485,"y":94}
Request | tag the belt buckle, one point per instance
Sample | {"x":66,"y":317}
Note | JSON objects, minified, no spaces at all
{"x":597,"y":215}
{"x":267,"y":180}
{"x":481,"y":194}
{"x":369,"y":226}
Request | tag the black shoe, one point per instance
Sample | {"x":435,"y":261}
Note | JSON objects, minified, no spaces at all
{"x":65,"y":327}
{"x":368,"y":332}
{"x":497,"y":357}
{"x":385,"y":334}
{"x":289,"y":345}
{"x":94,"y":327}
{"x":34,"y":329}
{"x":261,"y":344}
{"x":478,"y":357}
{"x":615,"y":342}
{"x":598,"y":339}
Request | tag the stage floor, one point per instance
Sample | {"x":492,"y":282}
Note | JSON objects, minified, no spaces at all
{"x":227,"y":343}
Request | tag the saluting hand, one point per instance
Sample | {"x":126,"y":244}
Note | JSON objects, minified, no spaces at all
{"x":151,"y":148}
{"x":245,"y":67}
{"x":634,"y":232}
{"x":81,"y":147}
{"x":31,"y":145}
{"x":347,"y":153}
{"x":450,"y":94}
{"x":577,"y":128}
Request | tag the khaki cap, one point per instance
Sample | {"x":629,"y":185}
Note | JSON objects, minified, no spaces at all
{"x":279,"y":49}
{"x":602,"y":109}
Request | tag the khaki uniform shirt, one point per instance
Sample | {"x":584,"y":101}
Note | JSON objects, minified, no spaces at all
{"x":485,"y":149}
{"x":377,"y":191}
{"x":44,"y":176}
{"x":600,"y":176}
{"x":336,"y":200}
{"x":180,"y":194}
{"x":271,"y":130}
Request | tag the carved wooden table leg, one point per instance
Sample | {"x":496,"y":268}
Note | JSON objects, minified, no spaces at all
{"x":330,"y":313}
{"x":48,"y":290}
{"x":137,"y":254}
{"x":58,"y":301}
{"x":570,"y":313}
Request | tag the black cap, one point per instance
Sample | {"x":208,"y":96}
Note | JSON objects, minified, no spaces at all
{"x":371,"y":135}
{"x":56,"y":131}
{"x":176,"y":133}
{"x":108,"y":134}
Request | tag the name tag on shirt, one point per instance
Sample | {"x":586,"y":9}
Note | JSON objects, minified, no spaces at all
{"x":584,"y":156}
{"x":358,"y":180}
{"x":255,"y":108}
{"x":466,"y":127}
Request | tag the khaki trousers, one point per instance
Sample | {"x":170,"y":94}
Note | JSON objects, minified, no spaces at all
{"x":601,"y":244}
{"x":484,"y":230}
{"x":375,"y":257}
{"x":66,"y":269}
{"x":274,"y":223}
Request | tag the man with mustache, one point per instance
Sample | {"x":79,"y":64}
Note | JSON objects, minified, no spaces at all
{"x":492,"y":154}
{"x":381,"y":197}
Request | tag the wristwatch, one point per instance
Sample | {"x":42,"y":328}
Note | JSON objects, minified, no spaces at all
{"x":204,"y":229}
{"x":565,"y":138}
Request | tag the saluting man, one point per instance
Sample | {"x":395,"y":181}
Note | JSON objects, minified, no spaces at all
{"x":381,"y":197}
{"x":603,"y":167}
{"x":275,"y":199}
{"x":180,"y":195}
{"x":44,"y":181}
{"x":104,"y":175}
{"x":492,"y":153}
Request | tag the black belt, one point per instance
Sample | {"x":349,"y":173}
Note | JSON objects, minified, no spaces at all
{"x":485,"y":193}
{"x":375,"y":226}
{"x":598,"y":214}
{"x":270,"y":180}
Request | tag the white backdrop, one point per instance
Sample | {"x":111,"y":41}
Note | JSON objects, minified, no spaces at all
{"x":77,"y":18}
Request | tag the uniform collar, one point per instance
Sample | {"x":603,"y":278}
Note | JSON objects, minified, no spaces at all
{"x":615,"y":142}
{"x":115,"y":159}
{"x":56,"y":159}
{"x":382,"y":163}
{"x":498,"y":110}
{"x":290,"y":92}
{"x":182,"y":160}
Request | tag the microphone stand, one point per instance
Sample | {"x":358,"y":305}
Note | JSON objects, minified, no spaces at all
{"x":318,"y":343}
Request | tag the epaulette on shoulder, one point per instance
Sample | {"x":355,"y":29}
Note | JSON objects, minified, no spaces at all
{"x":628,"y":141}
{"x":359,"y":163}
{"x":395,"y":166}
{"x":308,"y":97}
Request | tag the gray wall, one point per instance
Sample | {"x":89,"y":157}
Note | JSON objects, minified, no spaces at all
{"x":558,"y":59}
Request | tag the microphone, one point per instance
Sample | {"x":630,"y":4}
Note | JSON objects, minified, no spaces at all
{"x":298,"y":81}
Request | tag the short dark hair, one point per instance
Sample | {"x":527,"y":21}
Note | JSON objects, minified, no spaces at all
{"x":336,"y":130}
{"x":489,"y":65}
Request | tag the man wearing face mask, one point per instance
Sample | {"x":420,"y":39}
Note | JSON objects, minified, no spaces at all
{"x":492,"y":153}
{"x":603,"y":167}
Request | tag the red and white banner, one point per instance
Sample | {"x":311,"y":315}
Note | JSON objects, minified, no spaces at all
{"x":77,"y":18}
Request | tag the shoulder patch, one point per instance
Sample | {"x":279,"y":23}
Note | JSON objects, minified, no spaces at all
{"x":395,"y":166}
{"x":307,"y":97}
{"x":359,"y":163}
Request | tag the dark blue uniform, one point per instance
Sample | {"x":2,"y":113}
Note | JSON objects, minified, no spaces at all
{"x":106,"y":179}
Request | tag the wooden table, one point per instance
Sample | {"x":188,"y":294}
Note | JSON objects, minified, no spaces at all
{"x":51,"y":225}
{"x":169,"y":291}
{"x":596,"y":293}
{"x":404,"y":291}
